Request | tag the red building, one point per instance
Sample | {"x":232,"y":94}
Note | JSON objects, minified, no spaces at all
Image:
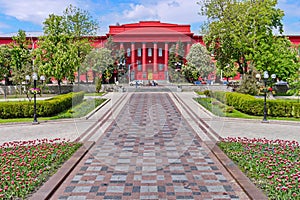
{"x":147,"y":46}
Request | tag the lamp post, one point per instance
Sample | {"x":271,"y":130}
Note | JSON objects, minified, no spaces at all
{"x":34,"y":78}
{"x":178,"y":66}
{"x":266,"y":81}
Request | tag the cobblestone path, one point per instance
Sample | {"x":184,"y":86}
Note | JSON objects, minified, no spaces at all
{"x":149,"y":152}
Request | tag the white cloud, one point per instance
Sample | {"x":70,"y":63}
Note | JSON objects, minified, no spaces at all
{"x":169,"y":11}
{"x":179,"y":11}
{"x":34,"y":10}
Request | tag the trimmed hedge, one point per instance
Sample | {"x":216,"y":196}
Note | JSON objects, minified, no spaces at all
{"x":46,"y":108}
{"x":253,"y":106}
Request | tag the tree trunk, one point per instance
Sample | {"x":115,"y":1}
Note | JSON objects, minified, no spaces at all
{"x":59,"y":86}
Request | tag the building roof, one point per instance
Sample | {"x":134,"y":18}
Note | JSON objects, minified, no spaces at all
{"x":28,"y":34}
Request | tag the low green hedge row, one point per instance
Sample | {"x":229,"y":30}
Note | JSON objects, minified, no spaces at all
{"x":46,"y":108}
{"x":253,"y":106}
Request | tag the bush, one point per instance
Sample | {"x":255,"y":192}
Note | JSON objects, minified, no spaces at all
{"x":252,"y":106}
{"x":45,"y":108}
{"x":207,"y":93}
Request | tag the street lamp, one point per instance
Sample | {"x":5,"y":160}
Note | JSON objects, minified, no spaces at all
{"x":266,"y":81}
{"x":178,"y":66}
{"x":35,"y":78}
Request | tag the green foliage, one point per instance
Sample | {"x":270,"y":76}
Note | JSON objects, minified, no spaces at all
{"x":176,"y":54}
{"x":98,"y":85}
{"x":45,"y":108}
{"x":79,"y":22}
{"x":252,"y":106}
{"x":20,"y":58}
{"x":200,"y":58}
{"x":99,"y":59}
{"x":57,"y":55}
{"x":64,"y":45}
{"x":207,"y":93}
{"x":241,"y":32}
{"x":248,"y":85}
{"x":81,"y":109}
{"x":4,"y":61}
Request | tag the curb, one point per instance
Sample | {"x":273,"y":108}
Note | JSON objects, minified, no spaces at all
{"x":96,"y":109}
{"x":49,"y":187}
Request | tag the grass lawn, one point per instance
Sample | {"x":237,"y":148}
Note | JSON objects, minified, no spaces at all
{"x":77,"y":111}
{"x":219,"y":109}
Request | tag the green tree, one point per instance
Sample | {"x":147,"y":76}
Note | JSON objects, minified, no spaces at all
{"x":79,"y":24}
{"x":190,"y":72}
{"x":176,"y":57}
{"x":4,"y":63}
{"x":242,"y":32}
{"x":98,"y":60}
{"x":200,"y":58}
{"x":57,"y":55}
{"x":20,"y":58}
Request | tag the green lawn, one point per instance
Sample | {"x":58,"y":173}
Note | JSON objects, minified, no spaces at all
{"x":218,"y":110}
{"x":77,"y":111}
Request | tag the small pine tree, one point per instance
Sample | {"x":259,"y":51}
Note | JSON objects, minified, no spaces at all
{"x":248,"y":85}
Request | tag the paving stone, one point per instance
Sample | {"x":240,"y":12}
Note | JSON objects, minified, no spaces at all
{"x":149,"y":152}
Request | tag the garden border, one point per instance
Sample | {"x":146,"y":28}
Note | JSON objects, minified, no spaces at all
{"x":51,"y":185}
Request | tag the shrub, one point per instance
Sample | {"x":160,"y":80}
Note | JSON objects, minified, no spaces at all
{"x":228,"y":109}
{"x":207,"y":93}
{"x":252,"y":106}
{"x":45,"y":108}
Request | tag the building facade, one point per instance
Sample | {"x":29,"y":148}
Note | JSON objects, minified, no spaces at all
{"x":147,"y":46}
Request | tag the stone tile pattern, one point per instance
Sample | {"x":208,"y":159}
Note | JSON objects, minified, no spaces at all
{"x":149,"y":152}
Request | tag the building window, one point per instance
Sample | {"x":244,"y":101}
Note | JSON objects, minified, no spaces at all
{"x":160,"y":52}
{"x":161,"y":67}
{"x":139,"y":52}
{"x":139,"y":67}
{"x":128,"y":52}
{"x":149,"y":52}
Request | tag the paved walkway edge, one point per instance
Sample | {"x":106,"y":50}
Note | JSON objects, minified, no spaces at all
{"x":49,"y":187}
{"x":96,"y":109}
{"x":250,"y":189}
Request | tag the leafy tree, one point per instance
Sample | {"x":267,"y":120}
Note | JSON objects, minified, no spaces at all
{"x":242,"y":32}
{"x":116,"y":53}
{"x":79,"y":24}
{"x":57,"y":55}
{"x":190,"y":72}
{"x":176,"y":55}
{"x":228,"y":72}
{"x":4,"y":63}
{"x":20,"y":58}
{"x":199,"y":58}
{"x":98,"y":60}
{"x":118,"y":56}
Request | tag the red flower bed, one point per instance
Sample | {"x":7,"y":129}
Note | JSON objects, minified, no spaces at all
{"x":273,"y":165}
{"x":25,"y":165}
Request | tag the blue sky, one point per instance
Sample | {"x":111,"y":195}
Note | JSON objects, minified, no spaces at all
{"x":29,"y":15}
